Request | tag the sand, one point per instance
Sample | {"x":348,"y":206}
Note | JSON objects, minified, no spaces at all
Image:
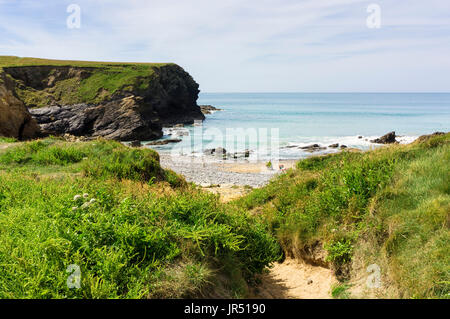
{"x":295,"y":280}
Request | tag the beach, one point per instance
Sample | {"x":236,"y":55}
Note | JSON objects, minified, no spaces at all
{"x":230,"y":180}
{"x":207,"y":172}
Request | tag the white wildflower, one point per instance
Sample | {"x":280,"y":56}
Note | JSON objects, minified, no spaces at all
{"x":85,"y":205}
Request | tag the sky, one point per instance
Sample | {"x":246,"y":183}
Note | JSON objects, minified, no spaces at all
{"x":249,"y":45}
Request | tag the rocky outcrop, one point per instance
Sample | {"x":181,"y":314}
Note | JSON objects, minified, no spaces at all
{"x":164,"y":142}
{"x":118,"y":120}
{"x":208,"y":109}
{"x":313,"y":148}
{"x":388,"y":138}
{"x":136,"y":111}
{"x":15,"y":120}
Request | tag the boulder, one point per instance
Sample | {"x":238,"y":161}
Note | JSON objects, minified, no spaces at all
{"x":164,"y":142}
{"x":313,"y":148}
{"x":135,"y":144}
{"x":336,"y":145}
{"x":208,"y":109}
{"x":388,"y":138}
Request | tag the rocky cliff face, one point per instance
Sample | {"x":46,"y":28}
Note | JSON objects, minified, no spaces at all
{"x":15,"y":120}
{"x":119,"y":102}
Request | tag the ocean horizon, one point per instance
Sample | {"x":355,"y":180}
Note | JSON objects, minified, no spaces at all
{"x":301,"y":119}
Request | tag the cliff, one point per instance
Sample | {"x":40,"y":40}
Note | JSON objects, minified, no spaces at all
{"x":15,"y":120}
{"x":122,"y":101}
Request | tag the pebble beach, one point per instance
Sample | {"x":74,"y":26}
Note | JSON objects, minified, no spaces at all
{"x":207,"y":172}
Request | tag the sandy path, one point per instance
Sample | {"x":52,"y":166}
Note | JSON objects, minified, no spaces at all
{"x":288,"y":280}
{"x":294,"y":280}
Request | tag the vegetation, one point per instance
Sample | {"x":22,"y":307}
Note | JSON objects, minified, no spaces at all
{"x":139,"y":231}
{"x":389,"y":206}
{"x":7,"y":139}
{"x":340,"y":291}
{"x":99,"y":82}
{"x":133,"y":229}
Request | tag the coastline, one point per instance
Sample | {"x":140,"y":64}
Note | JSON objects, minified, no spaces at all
{"x":209,"y":171}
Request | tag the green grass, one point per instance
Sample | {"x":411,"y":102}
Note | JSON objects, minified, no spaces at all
{"x":101,"y":82}
{"x":146,"y":234}
{"x":14,"y":61}
{"x":389,"y":206}
{"x":7,"y":139}
{"x":340,"y":291}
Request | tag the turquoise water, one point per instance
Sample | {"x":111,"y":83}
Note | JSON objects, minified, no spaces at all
{"x":305,"y":118}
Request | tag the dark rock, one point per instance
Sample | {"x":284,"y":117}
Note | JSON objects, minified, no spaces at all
{"x":313,"y":148}
{"x":389,"y":138}
{"x":310,"y":146}
{"x":360,"y":137}
{"x":208,"y":109}
{"x":334,"y":145}
{"x":343,"y":146}
{"x":135,"y":144}
{"x":164,"y":142}
{"x":219,"y":152}
{"x":236,"y":155}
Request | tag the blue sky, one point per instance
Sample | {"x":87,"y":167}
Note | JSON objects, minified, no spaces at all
{"x":249,"y":45}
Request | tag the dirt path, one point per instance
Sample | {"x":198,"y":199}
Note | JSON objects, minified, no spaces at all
{"x":290,"y":279}
{"x":293,"y":280}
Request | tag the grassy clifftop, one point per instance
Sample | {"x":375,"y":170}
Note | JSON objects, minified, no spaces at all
{"x":71,"y":82}
{"x":14,"y":61}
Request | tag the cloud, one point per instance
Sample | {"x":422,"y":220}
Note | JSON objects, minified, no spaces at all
{"x":264,"y":45}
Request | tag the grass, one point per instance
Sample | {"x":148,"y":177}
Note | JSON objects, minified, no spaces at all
{"x":139,"y":232}
{"x":7,"y":139}
{"x":99,"y":82}
{"x":340,"y":291}
{"x":389,"y":206}
{"x":144,"y":232}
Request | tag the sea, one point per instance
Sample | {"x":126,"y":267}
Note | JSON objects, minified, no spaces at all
{"x":278,"y":125}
